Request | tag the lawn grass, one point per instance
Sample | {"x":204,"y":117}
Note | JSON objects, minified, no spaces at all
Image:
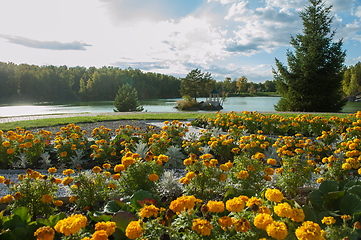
{"x":84,"y":118}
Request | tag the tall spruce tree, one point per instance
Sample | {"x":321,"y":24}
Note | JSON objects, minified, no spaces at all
{"x":312,"y":82}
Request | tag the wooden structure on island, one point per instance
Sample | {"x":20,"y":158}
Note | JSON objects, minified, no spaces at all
{"x":214,"y":99}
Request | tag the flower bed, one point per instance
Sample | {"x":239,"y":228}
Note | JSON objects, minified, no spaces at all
{"x":240,"y":180}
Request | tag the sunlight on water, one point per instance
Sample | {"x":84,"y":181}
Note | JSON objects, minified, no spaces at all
{"x":259,"y":104}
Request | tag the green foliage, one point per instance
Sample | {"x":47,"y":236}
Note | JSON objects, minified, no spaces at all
{"x":29,"y":191}
{"x":195,"y":84}
{"x":127,"y":100}
{"x":351,"y":83}
{"x":312,"y":81}
{"x":51,"y":83}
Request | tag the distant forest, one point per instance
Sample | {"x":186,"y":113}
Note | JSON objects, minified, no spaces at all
{"x":31,"y":83}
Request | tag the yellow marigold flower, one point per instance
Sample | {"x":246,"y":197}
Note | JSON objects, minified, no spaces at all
{"x":127,"y":161}
{"x":67,"y":180}
{"x":229,"y":164}
{"x":264,"y":209}
{"x":163,"y":158}
{"x":268,"y":171}
{"x":46,"y":198}
{"x":262,"y":220}
{"x":190,"y":175}
{"x":357,"y":225}
{"x":6,"y":199}
{"x":277,"y":230}
{"x":106,"y":166}
{"x":44,"y":233}
{"x":119,"y":168}
{"x":96,"y":169}
{"x":2,"y":179}
{"x":183,"y":203}
{"x":202,"y":226}
{"x":148,"y":211}
{"x":134,"y":230}
{"x":242,"y":225}
{"x":108,"y":227}
{"x":6,"y":144}
{"x":297,"y":215}
{"x":116,"y":176}
{"x":112,"y":186}
{"x":250,"y":168}
{"x":243,"y":174}
{"x":309,"y":230}
{"x":18,"y":195}
{"x":272,"y":161}
{"x":254,"y":201}
{"x":153,"y":177}
{"x":73,"y":199}
{"x":99,"y":235}
{"x":225,"y":222}
{"x":328,"y":220}
{"x":71,"y":225}
{"x":52,"y":170}
{"x":320,"y":180}
{"x":58,"y":180}
{"x":235,"y":205}
{"x":68,"y":172}
{"x":274,"y":195}
{"x":283,"y":210}
{"x":346,"y":166}
{"x":58,"y":203}
{"x":10,"y":151}
{"x":62,"y":154}
{"x":346,"y":217}
{"x":184,"y":180}
{"x":215,"y":206}
{"x":222,"y":177}
{"x":36,"y":140}
{"x":187,"y":162}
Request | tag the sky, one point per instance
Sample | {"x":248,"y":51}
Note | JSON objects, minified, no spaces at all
{"x":227,"y":38}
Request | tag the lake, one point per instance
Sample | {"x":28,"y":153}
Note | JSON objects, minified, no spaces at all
{"x":259,"y":104}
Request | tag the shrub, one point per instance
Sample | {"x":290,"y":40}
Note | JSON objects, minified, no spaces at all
{"x":126,"y":99}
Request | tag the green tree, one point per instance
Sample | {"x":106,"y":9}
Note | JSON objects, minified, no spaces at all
{"x":313,"y":80}
{"x":242,"y":84}
{"x":195,"y":84}
{"x":126,"y":99}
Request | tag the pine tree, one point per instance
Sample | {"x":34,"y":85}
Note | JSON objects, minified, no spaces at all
{"x":195,"y":83}
{"x":313,"y":79}
{"x":126,"y":99}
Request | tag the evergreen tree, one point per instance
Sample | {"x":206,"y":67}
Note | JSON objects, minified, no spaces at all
{"x":126,"y":99}
{"x":313,"y":80}
{"x":195,"y":83}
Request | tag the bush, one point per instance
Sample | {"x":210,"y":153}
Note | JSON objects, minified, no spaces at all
{"x":126,"y":99}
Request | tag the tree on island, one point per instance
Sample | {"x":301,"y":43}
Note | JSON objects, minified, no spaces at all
{"x":195,"y":84}
{"x":126,"y":99}
{"x":313,"y":80}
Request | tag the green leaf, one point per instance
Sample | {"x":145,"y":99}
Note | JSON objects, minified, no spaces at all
{"x":231,"y":193}
{"x":140,"y":196}
{"x":20,"y":232}
{"x":356,"y":189}
{"x":349,"y":185}
{"x":23,"y":213}
{"x":248,"y":192}
{"x":316,"y":200}
{"x":112,"y":207}
{"x":328,"y":186}
{"x":350,"y":204}
{"x":310,"y":214}
{"x":331,"y":200}
{"x":122,"y":219}
{"x":101,"y":217}
{"x":54,"y":219}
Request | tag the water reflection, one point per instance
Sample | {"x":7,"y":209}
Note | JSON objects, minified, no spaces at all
{"x":260,"y":104}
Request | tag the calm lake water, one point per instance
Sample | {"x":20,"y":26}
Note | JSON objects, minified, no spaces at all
{"x":259,"y":104}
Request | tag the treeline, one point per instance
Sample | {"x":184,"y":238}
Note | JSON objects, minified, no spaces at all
{"x":351,"y":83}
{"x":19,"y":83}
{"x":241,"y":86}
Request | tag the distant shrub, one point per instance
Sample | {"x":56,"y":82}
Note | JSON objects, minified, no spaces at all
{"x":126,"y":99}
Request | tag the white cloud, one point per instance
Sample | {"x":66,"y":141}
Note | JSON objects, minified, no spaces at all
{"x":358,"y":12}
{"x":223,"y":2}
